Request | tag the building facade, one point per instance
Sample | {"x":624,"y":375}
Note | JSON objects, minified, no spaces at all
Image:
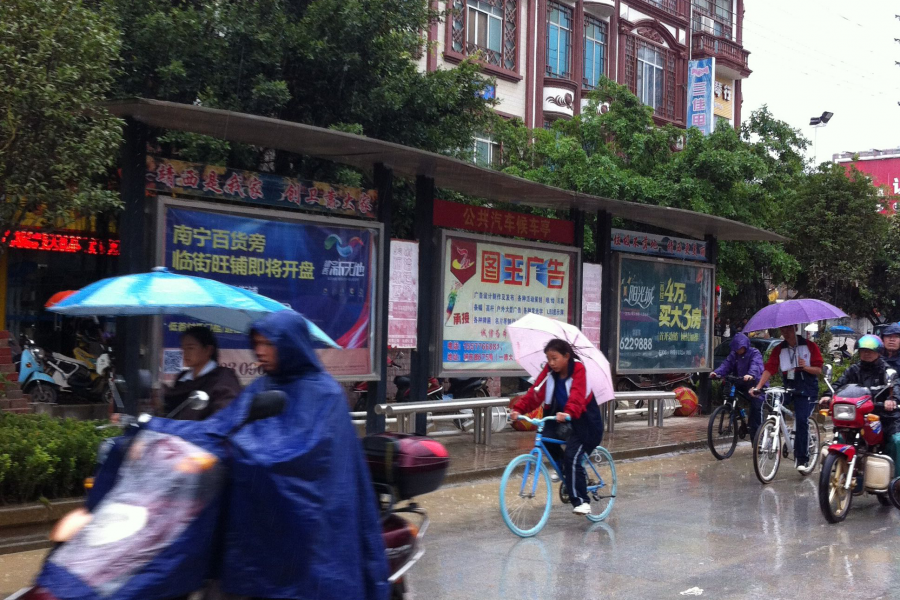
{"x":883,"y":166}
{"x":547,"y":55}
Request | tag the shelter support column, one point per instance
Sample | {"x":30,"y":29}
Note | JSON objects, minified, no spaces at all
{"x":705,"y":397}
{"x":604,"y":255}
{"x":384,"y":184}
{"x":420,"y":361}
{"x":577,"y":218}
{"x":134,"y":253}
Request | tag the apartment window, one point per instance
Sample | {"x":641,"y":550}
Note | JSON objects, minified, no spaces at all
{"x":714,"y":17}
{"x":650,"y":82}
{"x":595,"y":32}
{"x":487,"y":152}
{"x":486,"y":26}
{"x":559,"y":40}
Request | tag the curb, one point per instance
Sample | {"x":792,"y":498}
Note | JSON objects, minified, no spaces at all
{"x":26,"y":527}
{"x":467,"y":476}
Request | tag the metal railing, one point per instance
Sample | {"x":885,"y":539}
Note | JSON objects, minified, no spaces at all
{"x":655,"y":401}
{"x":405,"y":413}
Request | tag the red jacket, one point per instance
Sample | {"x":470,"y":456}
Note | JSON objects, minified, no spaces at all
{"x":578,"y":395}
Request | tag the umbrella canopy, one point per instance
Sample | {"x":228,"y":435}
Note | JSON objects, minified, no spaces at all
{"x":793,"y":312}
{"x":161,"y":292}
{"x":530,"y":334}
{"x":58,"y":297}
{"x":842,"y":330}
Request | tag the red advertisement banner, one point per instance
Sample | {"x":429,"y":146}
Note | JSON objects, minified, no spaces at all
{"x":502,"y":222}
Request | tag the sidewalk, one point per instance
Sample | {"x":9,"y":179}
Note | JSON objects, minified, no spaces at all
{"x":631,"y":439}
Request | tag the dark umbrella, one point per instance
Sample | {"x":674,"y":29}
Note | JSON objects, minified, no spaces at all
{"x":793,"y":312}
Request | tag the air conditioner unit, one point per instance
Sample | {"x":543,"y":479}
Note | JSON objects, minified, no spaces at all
{"x":708,"y":25}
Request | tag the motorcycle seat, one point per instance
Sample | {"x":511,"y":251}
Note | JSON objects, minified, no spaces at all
{"x":68,"y":359}
{"x":402,"y":381}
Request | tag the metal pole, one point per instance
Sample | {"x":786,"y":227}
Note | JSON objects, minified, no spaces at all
{"x":420,"y":361}
{"x":712,"y":253}
{"x":604,"y":255}
{"x":384,"y":184}
{"x":488,"y":425}
{"x":134,"y":253}
{"x":479,"y":424}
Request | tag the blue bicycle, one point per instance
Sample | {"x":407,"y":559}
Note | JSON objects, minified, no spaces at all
{"x":526,"y":489}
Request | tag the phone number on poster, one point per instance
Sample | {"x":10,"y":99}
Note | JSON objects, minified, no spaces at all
{"x":633,"y":343}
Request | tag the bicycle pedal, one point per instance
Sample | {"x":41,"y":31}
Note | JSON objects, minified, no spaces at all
{"x":742,"y":431}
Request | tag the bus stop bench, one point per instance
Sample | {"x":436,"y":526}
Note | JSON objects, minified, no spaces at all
{"x":405,"y":413}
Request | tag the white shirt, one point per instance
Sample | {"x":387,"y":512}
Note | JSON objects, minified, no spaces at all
{"x":189,"y":374}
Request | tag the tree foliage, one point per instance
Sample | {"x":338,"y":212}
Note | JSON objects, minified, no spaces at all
{"x":57,"y":59}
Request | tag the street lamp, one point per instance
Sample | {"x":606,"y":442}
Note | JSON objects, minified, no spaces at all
{"x":818,"y":122}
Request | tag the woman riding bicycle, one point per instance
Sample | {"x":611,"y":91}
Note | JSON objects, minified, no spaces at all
{"x":562,"y":387}
{"x":746,"y":362}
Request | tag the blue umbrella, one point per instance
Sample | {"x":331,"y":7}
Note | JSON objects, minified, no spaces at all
{"x":162,"y":292}
{"x":842,"y":330}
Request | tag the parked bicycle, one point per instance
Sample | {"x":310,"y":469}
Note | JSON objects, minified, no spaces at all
{"x":526,"y":490}
{"x":728,"y":422}
{"x":775,"y":440}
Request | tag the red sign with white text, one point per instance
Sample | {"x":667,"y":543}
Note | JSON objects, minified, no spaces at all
{"x":885,"y":173}
{"x":502,"y":222}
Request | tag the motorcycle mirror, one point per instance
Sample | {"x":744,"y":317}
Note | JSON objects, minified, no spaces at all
{"x":828,"y":370}
{"x":890,"y":376}
{"x":198,"y":400}
{"x":266,"y":404}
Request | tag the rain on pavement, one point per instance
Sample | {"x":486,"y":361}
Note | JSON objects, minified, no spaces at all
{"x":681,"y":524}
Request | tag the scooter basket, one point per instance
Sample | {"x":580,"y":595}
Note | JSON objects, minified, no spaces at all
{"x":412,"y":465}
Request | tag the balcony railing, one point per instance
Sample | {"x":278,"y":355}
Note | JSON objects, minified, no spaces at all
{"x":704,"y":44}
{"x":679,"y":8}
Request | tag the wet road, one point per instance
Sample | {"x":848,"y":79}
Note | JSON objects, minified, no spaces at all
{"x":680,"y":524}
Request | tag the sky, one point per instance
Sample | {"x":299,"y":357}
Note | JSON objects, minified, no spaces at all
{"x":811,"y":56}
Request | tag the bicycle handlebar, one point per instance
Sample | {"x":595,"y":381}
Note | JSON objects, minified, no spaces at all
{"x":539,"y":421}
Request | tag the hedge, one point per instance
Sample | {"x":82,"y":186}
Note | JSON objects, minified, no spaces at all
{"x":42,"y":457}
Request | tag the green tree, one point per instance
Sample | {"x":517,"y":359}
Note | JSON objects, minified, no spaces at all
{"x":57,"y":60}
{"x":346,"y":64}
{"x":622,"y":154}
{"x":838,"y":237}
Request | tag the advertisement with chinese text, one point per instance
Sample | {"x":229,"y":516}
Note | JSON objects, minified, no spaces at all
{"x":701,"y":74}
{"x":321,"y":270}
{"x":664,"y":316}
{"x":487,"y":286}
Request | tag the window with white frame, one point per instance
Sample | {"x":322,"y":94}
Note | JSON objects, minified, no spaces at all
{"x":484,"y":26}
{"x":595,"y":32}
{"x":650,"y":68}
{"x":488,"y":27}
{"x":487,"y":151}
{"x":559,"y":40}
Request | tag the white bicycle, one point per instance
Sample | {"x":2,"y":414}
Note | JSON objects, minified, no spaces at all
{"x":775,"y":439}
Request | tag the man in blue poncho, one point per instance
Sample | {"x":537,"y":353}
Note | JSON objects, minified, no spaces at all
{"x":301,"y":517}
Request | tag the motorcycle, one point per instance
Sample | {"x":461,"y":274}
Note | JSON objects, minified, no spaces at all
{"x":361,"y":389}
{"x":154,"y":503}
{"x":855,"y":463}
{"x":75,"y":377}
{"x":33,"y":380}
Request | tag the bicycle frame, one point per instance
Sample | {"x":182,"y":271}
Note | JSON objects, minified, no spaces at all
{"x":780,"y":411}
{"x":540,"y":452}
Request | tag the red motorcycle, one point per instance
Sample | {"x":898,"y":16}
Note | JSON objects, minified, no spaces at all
{"x":855,"y":462}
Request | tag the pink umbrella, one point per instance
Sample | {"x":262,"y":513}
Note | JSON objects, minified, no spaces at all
{"x":530,"y":334}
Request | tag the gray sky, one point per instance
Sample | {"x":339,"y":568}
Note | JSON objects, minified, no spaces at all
{"x":809,"y":56}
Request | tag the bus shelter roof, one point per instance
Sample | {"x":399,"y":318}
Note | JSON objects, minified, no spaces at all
{"x":448,"y":173}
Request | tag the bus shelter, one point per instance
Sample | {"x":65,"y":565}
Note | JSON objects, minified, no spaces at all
{"x":654,"y":293}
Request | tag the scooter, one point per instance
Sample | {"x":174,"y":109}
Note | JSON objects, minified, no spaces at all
{"x":152,"y":487}
{"x":361,"y":389}
{"x":855,"y":462}
{"x":75,"y":377}
{"x":33,"y":380}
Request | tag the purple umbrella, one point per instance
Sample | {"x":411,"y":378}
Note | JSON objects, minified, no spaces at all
{"x":793,"y":312}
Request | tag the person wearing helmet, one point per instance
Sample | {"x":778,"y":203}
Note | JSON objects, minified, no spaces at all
{"x":891,"y":338}
{"x":871,"y":371}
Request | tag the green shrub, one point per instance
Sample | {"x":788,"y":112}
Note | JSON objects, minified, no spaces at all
{"x":44,"y":457}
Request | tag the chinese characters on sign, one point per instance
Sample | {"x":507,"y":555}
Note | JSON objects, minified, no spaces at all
{"x":488,"y":286}
{"x":664,"y":316}
{"x":323,"y":271}
{"x":182,"y":178}
{"x":57,"y":242}
{"x":592,"y":280}
{"x":723,"y":94}
{"x":701,"y":75}
{"x":658,"y":245}
{"x":502,"y":222}
{"x":404,"y":294}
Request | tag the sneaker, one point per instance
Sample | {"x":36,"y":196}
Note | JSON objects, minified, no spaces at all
{"x":802,"y":465}
{"x":554,"y":477}
{"x":582,"y":509}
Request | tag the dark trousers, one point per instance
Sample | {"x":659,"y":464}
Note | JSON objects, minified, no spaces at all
{"x":580,"y":443}
{"x":803,"y":407}
{"x":755,"y":416}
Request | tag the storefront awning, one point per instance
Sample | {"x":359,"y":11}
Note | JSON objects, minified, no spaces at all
{"x":448,"y":173}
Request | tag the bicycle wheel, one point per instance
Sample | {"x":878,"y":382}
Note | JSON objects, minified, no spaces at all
{"x":813,"y":447}
{"x":525,"y":495}
{"x":722,"y":433}
{"x":767,"y":452}
{"x":601,"y":483}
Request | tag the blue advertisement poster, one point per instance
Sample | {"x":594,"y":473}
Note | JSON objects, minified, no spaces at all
{"x":664,"y":316}
{"x":701,"y":79}
{"x":320,"y":270}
